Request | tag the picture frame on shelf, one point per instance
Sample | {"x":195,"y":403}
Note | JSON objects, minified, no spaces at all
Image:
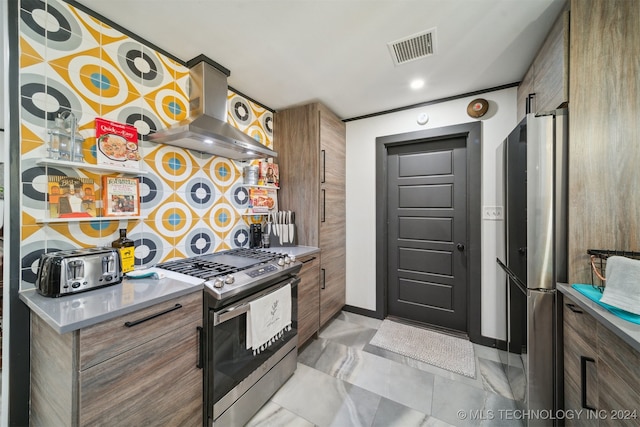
{"x":120,"y":196}
{"x":269,"y":174}
{"x":71,"y":197}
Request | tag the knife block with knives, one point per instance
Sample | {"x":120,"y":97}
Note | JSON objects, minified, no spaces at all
{"x":281,"y":228}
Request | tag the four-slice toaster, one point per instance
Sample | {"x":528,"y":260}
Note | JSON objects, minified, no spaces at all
{"x":77,"y":270}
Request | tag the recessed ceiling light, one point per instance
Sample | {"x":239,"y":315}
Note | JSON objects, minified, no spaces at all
{"x":416,"y":84}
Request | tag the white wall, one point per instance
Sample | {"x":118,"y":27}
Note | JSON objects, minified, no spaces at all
{"x":361,"y":196}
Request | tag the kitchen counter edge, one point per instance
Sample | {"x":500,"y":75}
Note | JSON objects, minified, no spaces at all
{"x":105,"y":303}
{"x":298,"y":251}
{"x":627,"y":331}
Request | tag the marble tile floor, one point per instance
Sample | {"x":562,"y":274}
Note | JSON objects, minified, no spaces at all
{"x":343,"y":381}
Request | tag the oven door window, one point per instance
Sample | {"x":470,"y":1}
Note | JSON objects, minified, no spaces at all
{"x":232,"y":361}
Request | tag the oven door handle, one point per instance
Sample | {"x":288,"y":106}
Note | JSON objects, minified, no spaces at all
{"x":230,"y":313}
{"x":243,"y":307}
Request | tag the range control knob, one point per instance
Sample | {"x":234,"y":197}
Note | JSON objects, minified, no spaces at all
{"x":287,"y":260}
{"x":218,"y":283}
{"x":281,"y":261}
{"x":292,"y":257}
{"x":229,"y":279}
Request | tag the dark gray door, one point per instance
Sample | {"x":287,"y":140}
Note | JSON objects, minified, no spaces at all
{"x":427,"y":232}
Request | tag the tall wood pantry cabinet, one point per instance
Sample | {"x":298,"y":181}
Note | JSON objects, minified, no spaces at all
{"x":310,"y":141}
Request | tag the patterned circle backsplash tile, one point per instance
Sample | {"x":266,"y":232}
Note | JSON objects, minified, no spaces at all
{"x":191,"y":203}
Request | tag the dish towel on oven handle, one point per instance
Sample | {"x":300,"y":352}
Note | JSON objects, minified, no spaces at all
{"x":269,"y":317}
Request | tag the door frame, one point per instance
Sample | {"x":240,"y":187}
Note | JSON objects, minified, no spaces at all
{"x":472,"y":132}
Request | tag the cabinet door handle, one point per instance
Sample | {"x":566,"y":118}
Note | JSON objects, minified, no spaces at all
{"x":583,"y":381}
{"x":323,"y":273}
{"x":323,"y":159}
{"x":573,"y":308}
{"x":529,"y":104}
{"x":324,"y":201}
{"x":153,"y":316}
{"x":200,"y":330}
{"x":308,"y":260}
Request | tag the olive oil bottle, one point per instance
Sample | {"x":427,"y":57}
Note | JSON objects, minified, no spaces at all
{"x":126,"y":249}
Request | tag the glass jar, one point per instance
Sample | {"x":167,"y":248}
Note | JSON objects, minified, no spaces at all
{"x":58,"y":136}
{"x":78,"y":153}
{"x":64,"y":148}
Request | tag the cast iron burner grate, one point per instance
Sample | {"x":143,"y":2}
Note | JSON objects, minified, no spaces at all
{"x":209,"y":266}
{"x":251,"y":253}
{"x":197,"y":268}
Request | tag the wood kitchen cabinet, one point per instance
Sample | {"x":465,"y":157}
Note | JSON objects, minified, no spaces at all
{"x":146,"y":373}
{"x":580,"y":353}
{"x":310,"y":141}
{"x":308,"y":298}
{"x":601,"y":371}
{"x":546,"y":82}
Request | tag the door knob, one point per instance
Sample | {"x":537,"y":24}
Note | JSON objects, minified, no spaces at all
{"x":460,"y":247}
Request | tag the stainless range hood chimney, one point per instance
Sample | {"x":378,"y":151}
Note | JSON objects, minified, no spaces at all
{"x":207,"y":130}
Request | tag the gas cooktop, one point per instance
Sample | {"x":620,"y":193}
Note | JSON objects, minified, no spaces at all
{"x":229,"y":273}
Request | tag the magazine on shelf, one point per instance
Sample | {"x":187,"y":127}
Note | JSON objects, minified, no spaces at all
{"x":263,"y":200}
{"x":269,"y":174}
{"x":71,"y":197}
{"x":117,"y":145}
{"x":120,"y":196}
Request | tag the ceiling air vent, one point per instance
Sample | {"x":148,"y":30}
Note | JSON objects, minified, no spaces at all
{"x":413,"y":47}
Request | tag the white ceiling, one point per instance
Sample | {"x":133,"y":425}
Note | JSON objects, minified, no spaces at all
{"x":283,"y":53}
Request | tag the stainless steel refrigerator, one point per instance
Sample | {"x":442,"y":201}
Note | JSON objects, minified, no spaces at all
{"x":535,"y":191}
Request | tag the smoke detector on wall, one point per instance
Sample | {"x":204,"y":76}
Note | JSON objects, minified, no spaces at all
{"x":411,"y":48}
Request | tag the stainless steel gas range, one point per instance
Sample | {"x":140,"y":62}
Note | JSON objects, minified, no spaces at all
{"x":239,"y":380}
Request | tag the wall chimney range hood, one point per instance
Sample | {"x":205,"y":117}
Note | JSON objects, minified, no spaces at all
{"x":207,"y":130}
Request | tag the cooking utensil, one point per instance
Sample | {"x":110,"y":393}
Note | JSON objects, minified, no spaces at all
{"x":285,"y":227}
{"x":268,"y":226}
{"x":292,"y":227}
{"x":280,"y":227}
{"x":274,"y":217}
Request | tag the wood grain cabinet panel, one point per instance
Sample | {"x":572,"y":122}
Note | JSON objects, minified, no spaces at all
{"x":601,"y":372}
{"x":619,"y":379}
{"x":332,"y":229}
{"x":548,"y":76}
{"x":296,"y":132}
{"x":579,"y":354}
{"x":604,"y":131}
{"x":551,"y":71}
{"x":156,"y":383}
{"x":52,"y":360}
{"x":308,"y":298}
{"x":108,"y":339}
{"x":310,"y":141}
{"x":111,"y":374}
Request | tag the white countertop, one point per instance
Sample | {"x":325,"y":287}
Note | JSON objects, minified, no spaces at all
{"x":72,"y":312}
{"x":627,"y":331}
